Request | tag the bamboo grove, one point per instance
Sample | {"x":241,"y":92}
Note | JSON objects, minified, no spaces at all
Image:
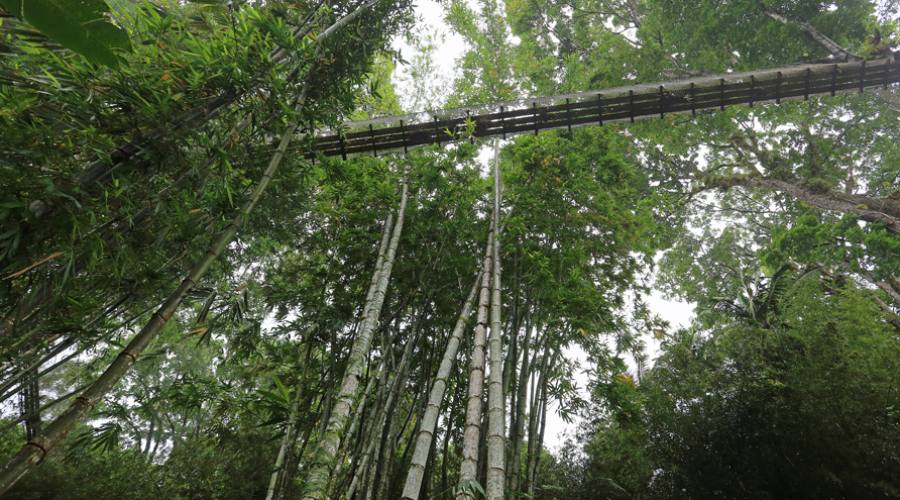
{"x":200,"y":300}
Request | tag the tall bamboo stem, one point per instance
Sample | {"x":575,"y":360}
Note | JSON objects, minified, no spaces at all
{"x":496,"y":439}
{"x":287,"y":441}
{"x":472,"y":431}
{"x":413,"y":484}
{"x":317,"y":482}
{"x":519,"y":428}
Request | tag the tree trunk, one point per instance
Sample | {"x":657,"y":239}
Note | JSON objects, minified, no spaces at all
{"x":368,"y":439}
{"x":317,"y":483}
{"x":483,"y":453}
{"x":428,"y":486}
{"x":521,"y":399}
{"x":445,"y":454}
{"x":31,"y":368}
{"x":360,"y":472}
{"x":472,"y":431}
{"x":496,"y":438}
{"x":817,"y":36}
{"x":413,"y":484}
{"x":31,"y":404}
{"x":150,"y":435}
{"x":870,"y":209}
{"x":892,"y":292}
{"x":533,"y":423}
{"x":538,"y":440}
{"x":388,"y":428}
{"x":287,"y":441}
{"x":357,"y":419}
{"x":373,"y":435}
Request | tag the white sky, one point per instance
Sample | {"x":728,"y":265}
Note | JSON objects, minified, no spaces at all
{"x":430,"y":14}
{"x":430,"y":17}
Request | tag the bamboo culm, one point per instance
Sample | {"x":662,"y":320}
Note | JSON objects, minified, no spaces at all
{"x":370,"y":436}
{"x":496,"y":437}
{"x":377,"y":434}
{"x":286,"y":442}
{"x":389,"y":425}
{"x":381,"y":376}
{"x":519,"y":429}
{"x":413,"y":484}
{"x":381,"y":372}
{"x":357,"y":418}
{"x":538,"y":424}
{"x":472,"y":431}
{"x":317,"y":482}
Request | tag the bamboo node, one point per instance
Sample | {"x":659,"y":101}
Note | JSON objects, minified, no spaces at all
{"x":43,"y":450}
{"x":131,"y":355}
{"x":86,"y":400}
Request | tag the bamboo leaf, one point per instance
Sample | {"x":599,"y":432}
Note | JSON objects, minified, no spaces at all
{"x":79,"y":25}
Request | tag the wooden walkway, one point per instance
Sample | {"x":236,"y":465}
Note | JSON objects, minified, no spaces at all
{"x":532,"y":115}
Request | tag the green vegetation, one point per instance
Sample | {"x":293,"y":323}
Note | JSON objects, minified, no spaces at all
{"x":195,"y":305}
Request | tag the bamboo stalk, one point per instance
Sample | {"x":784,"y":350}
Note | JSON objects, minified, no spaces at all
{"x":45,"y":407}
{"x":496,"y":438}
{"x":382,"y":370}
{"x":536,"y":438}
{"x":368,"y":437}
{"x":286,"y":442}
{"x":355,"y":423}
{"x":472,"y":431}
{"x":317,"y":482}
{"x":381,"y":374}
{"x":445,"y":452}
{"x":389,"y":422}
{"x":413,"y":484}
{"x":519,"y":429}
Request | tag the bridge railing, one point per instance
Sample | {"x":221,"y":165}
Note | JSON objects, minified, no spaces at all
{"x":628,"y":103}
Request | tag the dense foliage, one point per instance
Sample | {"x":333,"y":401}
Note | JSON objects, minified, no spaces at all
{"x":193,"y":305}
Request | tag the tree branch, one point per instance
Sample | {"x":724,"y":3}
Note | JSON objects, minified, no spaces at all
{"x":870,"y":209}
{"x":820,"y":38}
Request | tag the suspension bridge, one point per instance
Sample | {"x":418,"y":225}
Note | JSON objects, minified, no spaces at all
{"x":629,"y":103}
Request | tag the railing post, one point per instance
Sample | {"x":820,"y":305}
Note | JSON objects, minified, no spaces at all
{"x":631,"y":105}
{"x":752,"y":89}
{"x":778,"y":88}
{"x":721,"y":94}
{"x":833,"y":79}
{"x":403,"y":135}
{"x":862,"y":76}
{"x":600,"y":108}
{"x":693,"y":100}
{"x":662,"y":102}
{"x":806,"y":89}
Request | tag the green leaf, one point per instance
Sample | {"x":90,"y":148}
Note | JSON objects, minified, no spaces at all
{"x":79,"y":25}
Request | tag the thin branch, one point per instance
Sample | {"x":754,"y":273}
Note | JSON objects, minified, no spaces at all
{"x":817,"y":36}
